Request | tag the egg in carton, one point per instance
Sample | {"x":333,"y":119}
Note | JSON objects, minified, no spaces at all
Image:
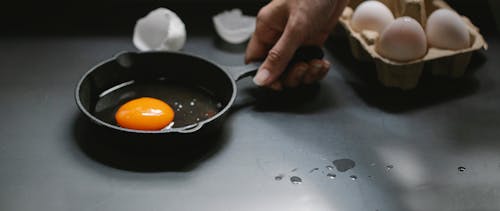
{"x":406,"y":74}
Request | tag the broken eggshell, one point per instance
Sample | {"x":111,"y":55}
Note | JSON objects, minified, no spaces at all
{"x":160,"y":30}
{"x":234,"y":27}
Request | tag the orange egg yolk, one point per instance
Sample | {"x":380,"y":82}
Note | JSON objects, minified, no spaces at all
{"x":144,"y":113}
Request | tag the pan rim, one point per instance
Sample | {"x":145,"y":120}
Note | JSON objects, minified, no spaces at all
{"x":182,"y":130}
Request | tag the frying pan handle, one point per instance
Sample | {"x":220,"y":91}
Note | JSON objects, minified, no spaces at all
{"x":125,"y":58}
{"x":303,"y":54}
{"x":239,"y":72}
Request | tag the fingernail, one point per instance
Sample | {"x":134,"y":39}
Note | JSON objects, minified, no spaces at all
{"x":317,"y":65}
{"x":309,"y":78}
{"x":326,"y":65}
{"x":302,"y":68}
{"x":276,"y":86}
{"x":261,"y":77}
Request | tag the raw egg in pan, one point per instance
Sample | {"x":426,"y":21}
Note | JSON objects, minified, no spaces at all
{"x":144,"y":113}
{"x":156,"y":105}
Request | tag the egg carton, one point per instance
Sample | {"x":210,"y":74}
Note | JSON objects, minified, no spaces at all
{"x":406,"y":75}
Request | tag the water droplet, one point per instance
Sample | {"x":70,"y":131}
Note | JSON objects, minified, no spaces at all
{"x":219,"y":105}
{"x":295,"y":180}
{"x":331,"y":176}
{"x":191,"y":103}
{"x":343,"y":165}
{"x":279,"y":177}
{"x":176,"y":103}
{"x":353,"y":177}
{"x":194,"y":99}
{"x":190,"y":112}
{"x":180,"y":106}
{"x":197,"y":119}
{"x":294,"y":170}
{"x":389,"y":167}
{"x":314,"y":169}
{"x":330,"y":168}
{"x":461,"y":169}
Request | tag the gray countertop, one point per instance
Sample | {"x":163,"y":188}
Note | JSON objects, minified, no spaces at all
{"x":424,"y":135}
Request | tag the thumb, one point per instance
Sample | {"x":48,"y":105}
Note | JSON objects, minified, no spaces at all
{"x":279,"y":56}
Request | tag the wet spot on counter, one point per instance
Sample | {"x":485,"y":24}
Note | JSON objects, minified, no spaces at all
{"x":295,"y":180}
{"x":343,"y":165}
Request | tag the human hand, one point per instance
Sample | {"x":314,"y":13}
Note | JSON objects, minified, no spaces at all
{"x":282,"y":27}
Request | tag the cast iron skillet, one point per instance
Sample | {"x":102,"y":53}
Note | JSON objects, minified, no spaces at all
{"x":176,"y":66}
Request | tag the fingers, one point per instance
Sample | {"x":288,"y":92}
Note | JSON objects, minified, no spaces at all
{"x":283,"y":26}
{"x":326,"y":67}
{"x":276,"y":86}
{"x":280,"y":54}
{"x":263,"y":39}
{"x":316,"y":72}
{"x":268,"y":29}
{"x":295,"y":75}
{"x":306,"y":73}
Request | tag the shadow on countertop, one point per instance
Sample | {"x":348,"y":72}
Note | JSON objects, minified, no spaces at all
{"x":305,"y":99}
{"x":145,"y":153}
{"x":431,"y":90}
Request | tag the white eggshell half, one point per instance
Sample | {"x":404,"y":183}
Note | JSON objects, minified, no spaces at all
{"x":234,"y":27}
{"x":160,"y":30}
{"x":445,"y":29}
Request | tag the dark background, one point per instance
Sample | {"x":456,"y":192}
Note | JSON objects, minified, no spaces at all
{"x":118,"y":17}
{"x":110,"y":16}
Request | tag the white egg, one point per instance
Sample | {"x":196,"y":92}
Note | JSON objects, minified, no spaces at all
{"x":445,"y":29}
{"x":161,"y":29}
{"x":371,"y":15}
{"x":403,"y":40}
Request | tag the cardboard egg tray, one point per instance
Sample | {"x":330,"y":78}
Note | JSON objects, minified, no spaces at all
{"x":406,"y":75}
